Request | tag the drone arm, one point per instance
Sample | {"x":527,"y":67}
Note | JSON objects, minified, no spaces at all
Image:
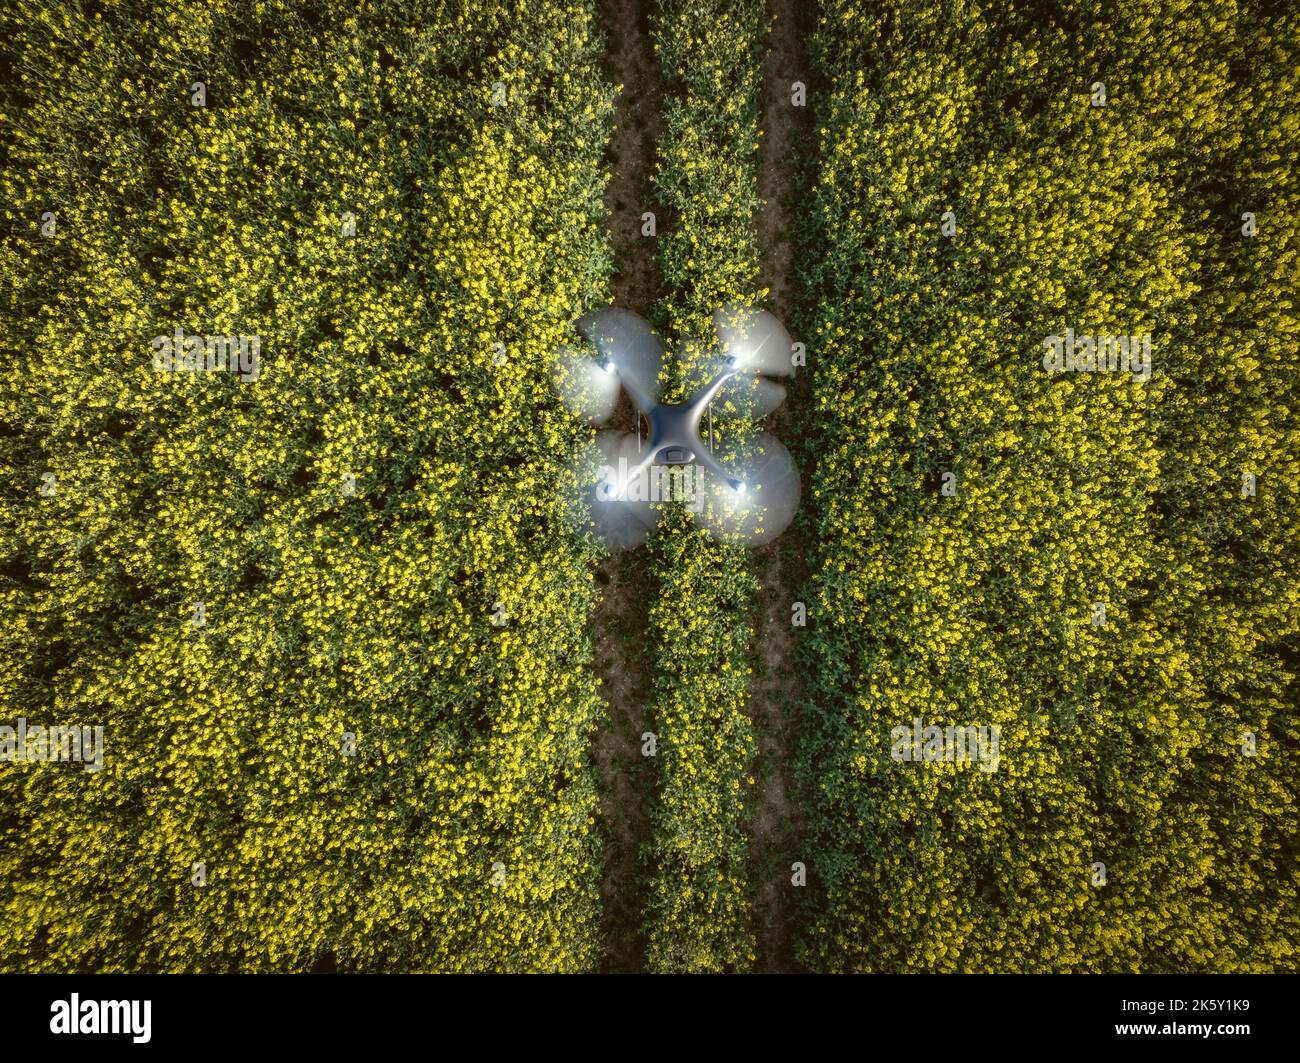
{"x":701,"y":401}
{"x":705,"y":457}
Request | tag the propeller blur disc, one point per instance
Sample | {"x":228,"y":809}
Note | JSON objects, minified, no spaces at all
{"x":589,"y":389}
{"x":609,"y":500}
{"x":755,"y":338}
{"x":763,"y":504}
{"x":636,"y":352}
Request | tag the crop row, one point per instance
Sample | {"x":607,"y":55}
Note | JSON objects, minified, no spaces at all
{"x":321,"y":607}
{"x":1090,"y":563}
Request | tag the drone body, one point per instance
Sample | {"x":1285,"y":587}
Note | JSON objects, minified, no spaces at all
{"x":749,"y":491}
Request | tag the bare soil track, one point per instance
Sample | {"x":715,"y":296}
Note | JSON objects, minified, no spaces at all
{"x":620,"y":624}
{"x":775,"y":819}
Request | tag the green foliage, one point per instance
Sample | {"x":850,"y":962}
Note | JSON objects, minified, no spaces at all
{"x":706,"y":176}
{"x":326,"y":613}
{"x":1120,"y":743}
{"x":698,"y":912}
{"x":410,"y":361}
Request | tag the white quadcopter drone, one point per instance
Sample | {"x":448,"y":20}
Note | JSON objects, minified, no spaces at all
{"x":745,"y":492}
